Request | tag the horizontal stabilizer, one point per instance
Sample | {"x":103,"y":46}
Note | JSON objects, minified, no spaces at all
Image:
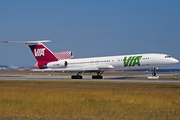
{"x":27,"y":42}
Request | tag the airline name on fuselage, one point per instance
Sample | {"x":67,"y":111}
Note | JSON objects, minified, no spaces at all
{"x":39,"y":52}
{"x":132,"y":61}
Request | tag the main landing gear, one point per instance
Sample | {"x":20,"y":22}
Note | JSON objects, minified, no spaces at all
{"x":154,"y":72}
{"x":98,"y":76}
{"x":78,"y":76}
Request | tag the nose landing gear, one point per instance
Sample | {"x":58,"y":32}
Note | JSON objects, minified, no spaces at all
{"x":154,"y":76}
{"x":154,"y":72}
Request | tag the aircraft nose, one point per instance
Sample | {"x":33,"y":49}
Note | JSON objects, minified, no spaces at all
{"x":175,"y":61}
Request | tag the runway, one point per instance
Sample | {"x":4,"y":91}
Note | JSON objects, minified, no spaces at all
{"x":133,"y":78}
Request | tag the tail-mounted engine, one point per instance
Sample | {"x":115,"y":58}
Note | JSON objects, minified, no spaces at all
{"x":59,"y":64}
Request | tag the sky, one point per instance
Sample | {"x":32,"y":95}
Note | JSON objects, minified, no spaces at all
{"x":89,"y":28}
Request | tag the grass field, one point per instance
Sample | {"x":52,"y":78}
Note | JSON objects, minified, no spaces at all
{"x":80,"y":100}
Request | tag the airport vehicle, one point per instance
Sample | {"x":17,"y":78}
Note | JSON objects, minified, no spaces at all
{"x":47,"y":61}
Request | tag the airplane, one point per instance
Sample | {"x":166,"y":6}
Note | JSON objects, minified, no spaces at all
{"x":47,"y":61}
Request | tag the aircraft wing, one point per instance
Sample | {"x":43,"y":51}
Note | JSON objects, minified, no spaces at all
{"x":78,"y":69}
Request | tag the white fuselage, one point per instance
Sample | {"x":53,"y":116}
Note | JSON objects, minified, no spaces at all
{"x":122,"y":62}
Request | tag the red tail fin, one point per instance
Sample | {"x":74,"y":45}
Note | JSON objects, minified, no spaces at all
{"x":42,"y":53}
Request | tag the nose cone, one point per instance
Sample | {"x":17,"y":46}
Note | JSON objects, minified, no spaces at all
{"x":175,"y":61}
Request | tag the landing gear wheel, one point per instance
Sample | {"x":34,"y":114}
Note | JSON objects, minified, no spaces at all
{"x":80,"y":77}
{"x":76,"y":77}
{"x":100,"y":77}
{"x":154,"y":74}
{"x":94,"y":77}
{"x":72,"y":77}
{"x":97,"y":77}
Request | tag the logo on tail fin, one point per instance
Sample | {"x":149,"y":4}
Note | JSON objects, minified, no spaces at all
{"x":39,"y":52}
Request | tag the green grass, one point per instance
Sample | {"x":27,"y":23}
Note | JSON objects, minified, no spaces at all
{"x":88,"y":100}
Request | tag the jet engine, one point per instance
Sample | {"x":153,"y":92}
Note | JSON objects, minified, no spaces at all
{"x":58,"y":64}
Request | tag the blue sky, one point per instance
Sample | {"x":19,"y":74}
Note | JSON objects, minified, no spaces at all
{"x":89,"y":27}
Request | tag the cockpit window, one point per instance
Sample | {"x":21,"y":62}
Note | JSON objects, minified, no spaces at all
{"x":168,"y":56}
